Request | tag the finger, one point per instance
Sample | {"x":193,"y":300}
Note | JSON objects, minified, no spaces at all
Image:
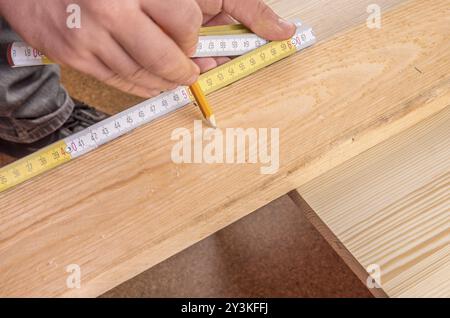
{"x":222,"y":60}
{"x":147,"y":44}
{"x":130,"y":88}
{"x":93,"y":66}
{"x":180,"y":19}
{"x":255,"y":14}
{"x":205,"y":63}
{"x":260,"y":18}
{"x":116,"y":59}
{"x":208,"y":63}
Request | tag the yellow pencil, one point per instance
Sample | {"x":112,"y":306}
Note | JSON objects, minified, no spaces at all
{"x":203,"y":104}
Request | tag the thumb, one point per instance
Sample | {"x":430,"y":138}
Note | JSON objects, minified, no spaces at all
{"x":260,"y":18}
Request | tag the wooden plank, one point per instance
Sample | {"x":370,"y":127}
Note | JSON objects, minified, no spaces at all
{"x":127,"y":206}
{"x":337,"y":245}
{"x":390,"y":206}
{"x":341,"y":14}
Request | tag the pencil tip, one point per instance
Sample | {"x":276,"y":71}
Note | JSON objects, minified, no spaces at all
{"x":212,"y":121}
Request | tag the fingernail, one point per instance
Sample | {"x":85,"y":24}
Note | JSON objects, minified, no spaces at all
{"x":196,"y":68}
{"x":192,"y":80}
{"x":285,"y":24}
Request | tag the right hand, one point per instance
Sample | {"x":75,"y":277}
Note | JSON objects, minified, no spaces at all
{"x":141,"y":47}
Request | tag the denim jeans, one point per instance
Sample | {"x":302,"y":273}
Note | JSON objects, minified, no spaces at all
{"x":33,"y":103}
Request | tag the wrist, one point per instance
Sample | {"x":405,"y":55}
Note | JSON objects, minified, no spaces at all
{"x":2,"y":5}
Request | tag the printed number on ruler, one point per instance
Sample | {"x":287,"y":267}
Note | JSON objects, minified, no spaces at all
{"x":231,"y":45}
{"x":214,"y":45}
{"x":31,"y":166}
{"x":248,"y":64}
{"x":118,"y":125}
{"x":20,"y":54}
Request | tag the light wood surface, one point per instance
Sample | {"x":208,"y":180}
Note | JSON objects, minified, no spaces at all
{"x":357,"y":268}
{"x":390,"y":206}
{"x":127,"y":206}
{"x":340,"y":15}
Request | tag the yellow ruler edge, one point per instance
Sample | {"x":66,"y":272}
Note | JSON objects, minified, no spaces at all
{"x":230,"y":29}
{"x":28,"y":167}
{"x":245,"y":65}
{"x":46,"y":60}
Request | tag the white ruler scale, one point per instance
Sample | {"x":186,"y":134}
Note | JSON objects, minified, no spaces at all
{"x":20,"y":54}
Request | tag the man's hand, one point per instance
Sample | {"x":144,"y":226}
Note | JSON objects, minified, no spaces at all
{"x":139,"y":46}
{"x":255,"y":14}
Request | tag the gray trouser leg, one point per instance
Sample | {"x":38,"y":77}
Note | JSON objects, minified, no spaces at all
{"x":33,"y":104}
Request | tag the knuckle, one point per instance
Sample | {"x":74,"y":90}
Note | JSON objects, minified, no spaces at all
{"x":77,"y":40}
{"x":112,"y":80}
{"x":174,"y":73}
{"x":116,"y":81}
{"x":159,"y":61}
{"x":130,"y":88}
{"x":147,"y":79}
{"x":163,"y":63}
{"x":134,"y":74}
{"x":263,"y":9}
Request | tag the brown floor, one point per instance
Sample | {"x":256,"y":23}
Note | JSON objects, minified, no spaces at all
{"x":273,"y":252}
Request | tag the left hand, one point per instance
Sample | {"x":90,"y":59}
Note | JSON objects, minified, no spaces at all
{"x":254,"y":14}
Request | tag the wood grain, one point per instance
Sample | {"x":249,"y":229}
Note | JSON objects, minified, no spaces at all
{"x":340,"y":15}
{"x":127,"y":206}
{"x":390,"y":206}
{"x":357,"y":268}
